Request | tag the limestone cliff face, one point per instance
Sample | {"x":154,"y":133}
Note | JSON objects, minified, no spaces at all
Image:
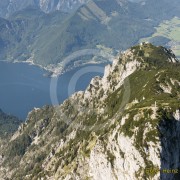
{"x":125,"y":125}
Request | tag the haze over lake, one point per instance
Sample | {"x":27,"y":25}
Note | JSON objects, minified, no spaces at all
{"x":23,"y":86}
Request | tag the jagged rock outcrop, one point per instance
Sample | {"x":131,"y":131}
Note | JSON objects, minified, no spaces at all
{"x":125,"y":125}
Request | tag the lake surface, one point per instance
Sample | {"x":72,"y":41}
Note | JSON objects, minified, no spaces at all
{"x":23,"y":86}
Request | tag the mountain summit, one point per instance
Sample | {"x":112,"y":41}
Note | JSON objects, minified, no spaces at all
{"x":125,"y":125}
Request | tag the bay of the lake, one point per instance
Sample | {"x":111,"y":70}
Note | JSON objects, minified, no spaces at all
{"x":24,"y":87}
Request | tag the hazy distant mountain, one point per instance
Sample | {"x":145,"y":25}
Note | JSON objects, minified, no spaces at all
{"x":49,"y":38}
{"x":8,"y":7}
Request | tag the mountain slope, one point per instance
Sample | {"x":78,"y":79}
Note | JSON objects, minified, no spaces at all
{"x":124,"y":126}
{"x":8,"y":7}
{"x":8,"y":124}
{"x":20,"y":32}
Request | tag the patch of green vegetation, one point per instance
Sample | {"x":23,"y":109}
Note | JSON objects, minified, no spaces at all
{"x":18,"y":146}
{"x":77,"y":145}
{"x":154,"y":56}
{"x":149,"y":85}
{"x":60,"y":127}
{"x":90,"y":121}
{"x":40,"y":157}
{"x":169,"y":29}
{"x":111,"y":157}
{"x":113,"y":102}
{"x":152,"y":135}
{"x":121,"y":153}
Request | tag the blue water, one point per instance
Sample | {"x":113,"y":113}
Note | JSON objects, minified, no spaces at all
{"x":23,"y":86}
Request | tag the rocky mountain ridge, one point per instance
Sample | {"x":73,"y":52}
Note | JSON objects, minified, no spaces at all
{"x":124,"y":126}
